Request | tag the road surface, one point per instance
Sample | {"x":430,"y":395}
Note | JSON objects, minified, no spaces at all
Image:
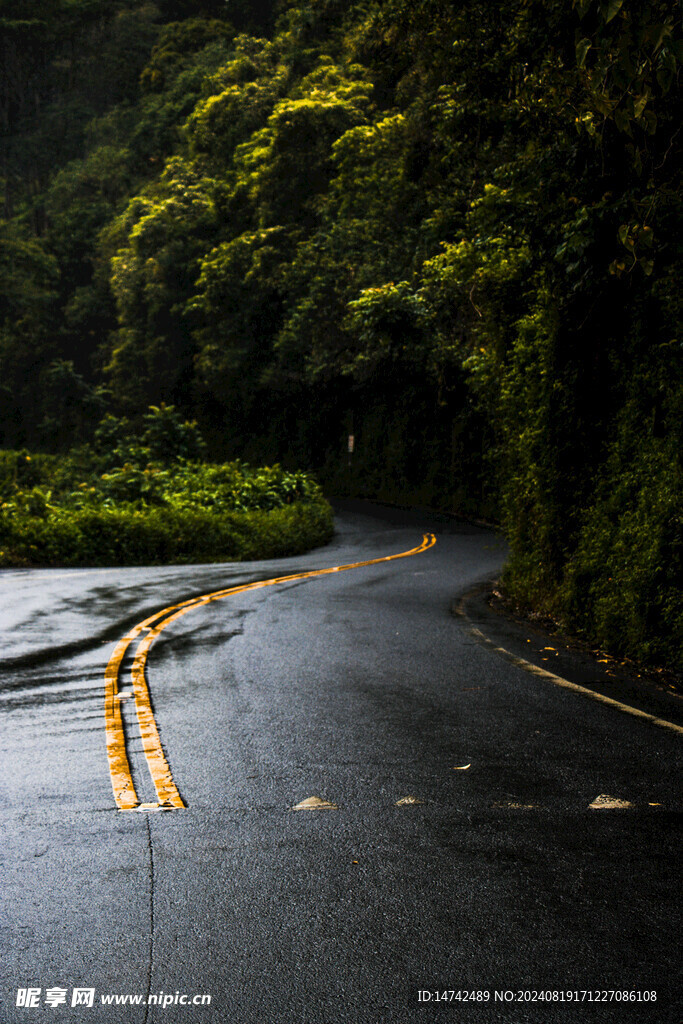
{"x":459,"y":872}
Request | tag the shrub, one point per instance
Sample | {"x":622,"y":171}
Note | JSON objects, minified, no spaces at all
{"x":183,"y":512}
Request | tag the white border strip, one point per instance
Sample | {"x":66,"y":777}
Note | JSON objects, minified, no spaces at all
{"x":528,"y":666}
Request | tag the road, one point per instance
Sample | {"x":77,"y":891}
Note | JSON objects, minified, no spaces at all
{"x":460,"y":853}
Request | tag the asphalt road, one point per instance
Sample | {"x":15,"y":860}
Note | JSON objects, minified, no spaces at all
{"x":360,"y":688}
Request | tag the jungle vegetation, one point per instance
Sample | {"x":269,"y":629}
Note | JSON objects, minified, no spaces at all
{"x":451,"y":229}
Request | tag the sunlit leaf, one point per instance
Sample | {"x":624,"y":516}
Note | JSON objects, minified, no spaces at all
{"x":613,"y":8}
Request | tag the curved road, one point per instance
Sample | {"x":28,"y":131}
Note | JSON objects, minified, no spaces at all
{"x":459,"y":854}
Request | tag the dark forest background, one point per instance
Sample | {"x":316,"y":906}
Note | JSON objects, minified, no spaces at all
{"x":451,"y":229}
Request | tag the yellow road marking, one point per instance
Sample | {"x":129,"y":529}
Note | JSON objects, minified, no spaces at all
{"x":168,"y":796}
{"x":529,"y":666}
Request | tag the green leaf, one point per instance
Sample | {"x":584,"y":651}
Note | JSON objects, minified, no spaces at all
{"x":582,"y":6}
{"x":582,"y":49}
{"x":624,"y":236}
{"x":613,"y":8}
{"x":640,"y":103}
{"x":650,"y":119}
{"x":646,"y":236}
{"x":665,"y":78}
{"x":623,"y":122}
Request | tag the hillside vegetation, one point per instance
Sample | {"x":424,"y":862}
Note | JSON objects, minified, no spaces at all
{"x":452,"y":230}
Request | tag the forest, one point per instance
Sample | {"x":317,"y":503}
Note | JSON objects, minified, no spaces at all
{"x":449,"y":228}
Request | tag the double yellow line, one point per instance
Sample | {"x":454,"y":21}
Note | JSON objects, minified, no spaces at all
{"x":119,"y":767}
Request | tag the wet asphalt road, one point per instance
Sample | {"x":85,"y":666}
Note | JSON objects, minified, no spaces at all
{"x":361,"y":688}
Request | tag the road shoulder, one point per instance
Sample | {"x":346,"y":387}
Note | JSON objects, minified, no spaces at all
{"x":562,"y":659}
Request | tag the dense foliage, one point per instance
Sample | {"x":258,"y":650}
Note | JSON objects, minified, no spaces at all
{"x":451,"y":230}
{"x":139,"y":499}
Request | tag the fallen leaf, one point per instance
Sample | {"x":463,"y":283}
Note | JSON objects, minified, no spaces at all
{"x":461,"y":767}
{"x":314,"y":803}
{"x":609,"y":803}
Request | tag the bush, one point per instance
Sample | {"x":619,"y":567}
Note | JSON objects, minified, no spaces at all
{"x":155,"y":536}
{"x":164,"y":438}
{"x":622,"y":585}
{"x":619,"y":585}
{"x":184,"y":512}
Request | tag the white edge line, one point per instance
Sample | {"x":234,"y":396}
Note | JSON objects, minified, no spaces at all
{"x":560,"y":680}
